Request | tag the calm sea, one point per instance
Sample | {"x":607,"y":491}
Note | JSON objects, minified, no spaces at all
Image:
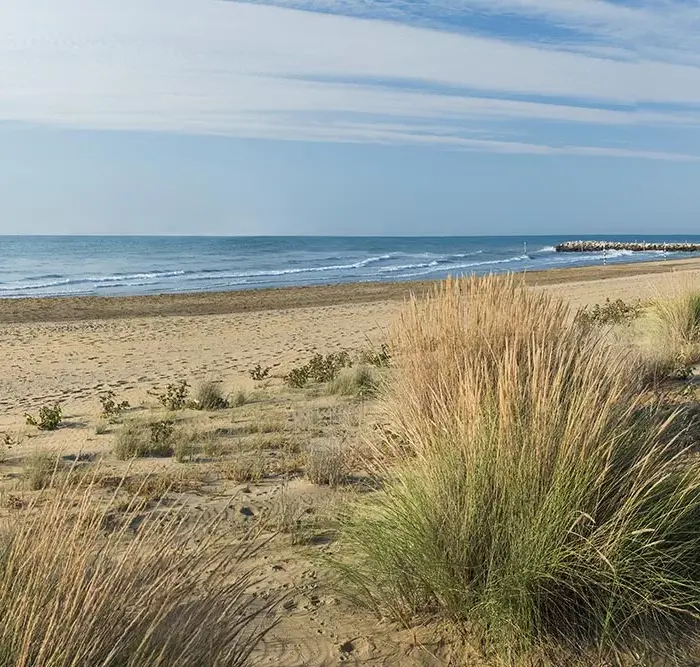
{"x":101,"y":265}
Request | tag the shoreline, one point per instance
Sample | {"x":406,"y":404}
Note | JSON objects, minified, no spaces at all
{"x":80,"y":308}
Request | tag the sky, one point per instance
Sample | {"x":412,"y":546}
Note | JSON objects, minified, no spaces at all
{"x":349,"y":116}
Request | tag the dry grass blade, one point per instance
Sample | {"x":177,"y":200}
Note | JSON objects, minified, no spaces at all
{"x":73,"y":594}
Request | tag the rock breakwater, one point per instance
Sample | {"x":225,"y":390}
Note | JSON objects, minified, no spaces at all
{"x":635,"y":246}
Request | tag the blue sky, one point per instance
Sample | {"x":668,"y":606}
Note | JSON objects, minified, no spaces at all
{"x":349,"y":116}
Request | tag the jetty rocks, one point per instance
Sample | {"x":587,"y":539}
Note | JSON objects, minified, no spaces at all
{"x":635,"y":246}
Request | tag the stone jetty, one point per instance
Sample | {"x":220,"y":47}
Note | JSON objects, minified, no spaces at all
{"x":635,"y":246}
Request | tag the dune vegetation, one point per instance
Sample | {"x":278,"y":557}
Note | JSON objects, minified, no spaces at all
{"x":533,"y":494}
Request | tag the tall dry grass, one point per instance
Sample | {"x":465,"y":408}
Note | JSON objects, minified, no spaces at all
{"x":79,"y":590}
{"x":529,"y":493}
{"x":675,"y":321}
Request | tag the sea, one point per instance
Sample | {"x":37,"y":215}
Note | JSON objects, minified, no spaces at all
{"x":48,"y":266}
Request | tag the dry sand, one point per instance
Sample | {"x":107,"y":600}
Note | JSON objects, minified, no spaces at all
{"x":69,"y":350}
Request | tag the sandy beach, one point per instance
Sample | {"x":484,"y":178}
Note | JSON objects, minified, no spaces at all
{"x":71,"y":350}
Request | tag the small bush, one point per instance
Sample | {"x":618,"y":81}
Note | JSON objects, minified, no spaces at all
{"x":319,"y":369}
{"x":357,"y":381}
{"x":50,"y":418}
{"x":259,"y":373}
{"x":297,"y":377}
{"x":143,"y":438}
{"x":111,"y":408}
{"x":101,"y":427}
{"x":327,"y":465}
{"x":325,"y":369}
{"x":210,"y":397}
{"x":611,"y":312}
{"x":175,"y":395}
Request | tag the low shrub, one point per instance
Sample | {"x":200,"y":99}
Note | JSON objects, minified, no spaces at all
{"x":319,"y":368}
{"x":611,"y":312}
{"x":174,"y":397}
{"x":327,"y":464}
{"x":111,"y":408}
{"x":247,"y":468}
{"x":259,"y":373}
{"x":49,"y":419}
{"x":380,"y":358}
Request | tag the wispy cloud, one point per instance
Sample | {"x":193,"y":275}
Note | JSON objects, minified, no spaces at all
{"x":618,"y":81}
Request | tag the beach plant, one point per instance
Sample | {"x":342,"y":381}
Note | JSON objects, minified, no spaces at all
{"x":111,"y":408}
{"x":297,"y":377}
{"x":143,"y":438}
{"x":172,"y":593}
{"x":380,"y":358}
{"x":49,"y":418}
{"x":320,"y":368}
{"x":529,"y":494}
{"x":259,"y":373}
{"x":360,"y":381}
{"x":610,"y":313}
{"x":174,"y":397}
{"x":675,"y":321}
{"x":327,"y":464}
{"x":209,"y":396}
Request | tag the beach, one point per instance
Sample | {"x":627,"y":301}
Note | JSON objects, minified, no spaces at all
{"x":67,"y":349}
{"x":72,"y":350}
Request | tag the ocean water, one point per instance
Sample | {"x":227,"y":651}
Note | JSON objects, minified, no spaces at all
{"x":33,"y":266}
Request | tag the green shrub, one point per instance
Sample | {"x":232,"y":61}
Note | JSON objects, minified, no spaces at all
{"x":611,"y":312}
{"x":526,"y":495}
{"x":380,"y":358}
{"x":111,"y":409}
{"x":259,"y":373}
{"x":210,"y":397}
{"x":50,"y":418}
{"x":175,"y":395}
{"x":319,"y":368}
{"x":297,"y":377}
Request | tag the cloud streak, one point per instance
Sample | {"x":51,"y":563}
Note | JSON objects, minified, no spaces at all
{"x":348,"y":73}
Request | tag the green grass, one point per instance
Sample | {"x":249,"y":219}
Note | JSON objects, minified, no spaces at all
{"x":139,"y":438}
{"x":360,"y":381}
{"x":209,"y":396}
{"x":528,"y":496}
{"x":675,"y":324}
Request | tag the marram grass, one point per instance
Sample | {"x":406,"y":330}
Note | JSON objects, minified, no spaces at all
{"x":529,"y":495}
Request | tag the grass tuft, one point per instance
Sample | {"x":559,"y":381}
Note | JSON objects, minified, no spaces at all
{"x":73,"y":595}
{"x":209,"y":396}
{"x":528,"y":494}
